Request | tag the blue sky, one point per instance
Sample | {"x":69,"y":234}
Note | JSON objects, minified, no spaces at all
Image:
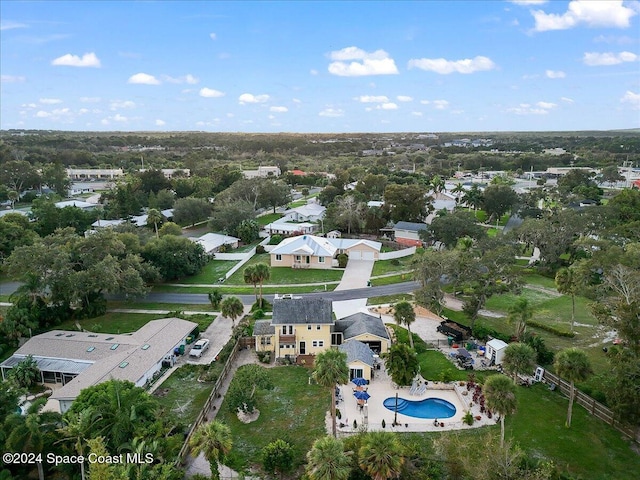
{"x":318,"y":66}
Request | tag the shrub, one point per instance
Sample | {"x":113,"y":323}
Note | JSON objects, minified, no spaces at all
{"x":551,"y":329}
{"x":395,"y":262}
{"x":275,"y":239}
{"x":260,"y":249}
{"x":258,"y":314}
{"x":468,"y":418}
{"x":343,"y":258}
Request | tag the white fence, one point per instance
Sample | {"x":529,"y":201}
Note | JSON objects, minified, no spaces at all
{"x":397,"y":254}
{"x":235,"y":256}
{"x":247,"y":257}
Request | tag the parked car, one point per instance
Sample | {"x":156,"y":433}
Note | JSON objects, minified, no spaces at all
{"x":199,"y":348}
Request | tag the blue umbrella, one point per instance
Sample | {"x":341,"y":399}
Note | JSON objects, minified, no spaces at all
{"x":361,"y":395}
{"x":359,"y":381}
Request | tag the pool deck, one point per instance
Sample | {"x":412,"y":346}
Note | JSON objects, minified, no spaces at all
{"x":381,"y":388}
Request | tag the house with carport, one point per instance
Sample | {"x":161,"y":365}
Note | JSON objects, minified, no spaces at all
{"x":408,"y":233}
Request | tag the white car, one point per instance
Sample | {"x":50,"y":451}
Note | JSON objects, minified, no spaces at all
{"x":199,"y":348}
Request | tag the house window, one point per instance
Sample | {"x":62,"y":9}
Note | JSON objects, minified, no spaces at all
{"x":321,"y":343}
{"x":320,"y":259}
{"x":298,"y":258}
{"x":314,"y":343}
{"x":318,"y":327}
{"x":278,"y":257}
{"x":268,"y":341}
{"x":308,"y":327}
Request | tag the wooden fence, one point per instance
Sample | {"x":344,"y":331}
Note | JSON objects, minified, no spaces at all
{"x":592,"y":406}
{"x":202,"y":417}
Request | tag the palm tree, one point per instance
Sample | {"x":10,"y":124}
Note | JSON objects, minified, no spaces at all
{"x":78,"y":428}
{"x":458,"y":190}
{"x":573,"y":365}
{"x":437,"y":183}
{"x":566,"y":283}
{"x":215,"y":297}
{"x":519,"y":314}
{"x":13,"y":196}
{"x":251,"y":278}
{"x":262,"y":274}
{"x":381,"y":455}
{"x":231,"y":307}
{"x":404,"y":314}
{"x":154,"y":216}
{"x":214,"y":441}
{"x":500,"y":393}
{"x":331,"y":369}
{"x":327,"y":460}
{"x":518,"y":358}
{"x":473,"y":197}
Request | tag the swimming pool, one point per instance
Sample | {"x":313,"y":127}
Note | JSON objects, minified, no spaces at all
{"x":427,"y":408}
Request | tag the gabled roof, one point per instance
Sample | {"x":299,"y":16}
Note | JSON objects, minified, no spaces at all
{"x":263,"y":327}
{"x":310,"y":209}
{"x":410,"y":226}
{"x":356,"y":350}
{"x":306,"y":245}
{"x":75,"y":203}
{"x":359,"y":324}
{"x":107,"y":223}
{"x":303,"y":310}
{"x":211,"y":241}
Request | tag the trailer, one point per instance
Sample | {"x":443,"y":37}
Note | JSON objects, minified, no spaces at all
{"x":454,"y":330}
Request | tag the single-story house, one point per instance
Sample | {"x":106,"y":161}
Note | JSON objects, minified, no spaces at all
{"x":311,"y":212}
{"x":76,"y":203}
{"x":365,"y":328}
{"x":262,"y":172}
{"x":375,"y":204}
{"x":408,"y":233}
{"x":309,"y":251}
{"x":495,"y":351}
{"x":211,"y":242}
{"x":264,"y":333}
{"x":286,"y":228}
{"x":360,"y":358}
{"x":443,"y":201}
{"x":107,"y":223}
{"x":77,"y":360}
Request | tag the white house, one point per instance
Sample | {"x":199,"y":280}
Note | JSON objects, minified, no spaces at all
{"x":263,"y":172}
{"x":309,"y":251}
{"x":311,"y":212}
{"x":286,"y":228}
{"x":211,"y":242}
{"x":76,"y":203}
{"x":495,"y":351}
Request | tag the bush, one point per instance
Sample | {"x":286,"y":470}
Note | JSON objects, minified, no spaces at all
{"x":343,"y":258}
{"x":395,"y":262}
{"x":258,"y":314}
{"x":468,"y":418}
{"x":482,"y":332}
{"x":551,"y":329}
{"x":260,"y":249}
{"x":275,"y":239}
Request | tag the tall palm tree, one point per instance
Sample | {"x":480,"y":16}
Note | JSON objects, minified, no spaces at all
{"x":231,"y":307}
{"x":437,"y":183}
{"x":214,"y":441}
{"x":262,"y":273}
{"x":404,"y":314}
{"x":573,"y":365}
{"x":327,"y":460}
{"x":251,"y":278}
{"x":473,"y":197}
{"x":566,"y":283}
{"x":458,"y":190}
{"x":500,"y":393}
{"x":76,"y":430}
{"x":381,"y":455}
{"x":519,"y":314}
{"x":518,"y":358}
{"x":331,"y":369}
{"x":215,"y":297}
{"x":154,"y":216}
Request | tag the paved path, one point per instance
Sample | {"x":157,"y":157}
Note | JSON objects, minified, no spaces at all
{"x":356,"y":276}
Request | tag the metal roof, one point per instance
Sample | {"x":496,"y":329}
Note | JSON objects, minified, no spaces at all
{"x":46,"y":364}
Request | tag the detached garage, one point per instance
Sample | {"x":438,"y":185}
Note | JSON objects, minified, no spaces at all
{"x":358,"y":249}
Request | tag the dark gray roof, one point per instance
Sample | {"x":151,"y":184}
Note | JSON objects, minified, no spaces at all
{"x":359,"y":324}
{"x":50,"y":364}
{"x":263,"y":327}
{"x":411,"y":226}
{"x":302,"y":310}
{"x":357,"y":351}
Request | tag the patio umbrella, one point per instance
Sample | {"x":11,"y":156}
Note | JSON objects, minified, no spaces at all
{"x":362,"y":395}
{"x":359,"y":381}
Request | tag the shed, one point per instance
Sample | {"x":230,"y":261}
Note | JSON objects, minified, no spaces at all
{"x":495,"y":351}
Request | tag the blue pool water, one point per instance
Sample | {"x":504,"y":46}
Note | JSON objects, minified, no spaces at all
{"x":427,"y":408}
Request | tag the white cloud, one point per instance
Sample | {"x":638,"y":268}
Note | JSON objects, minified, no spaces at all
{"x":28,"y":105}
{"x":404,"y":98}
{"x":143,"y":79}
{"x":119,"y":104}
{"x":566,"y":99}
{"x":42,"y":114}
{"x":593,"y":13}
{"x":555,"y":74}
{"x":445,"y":67}
{"x":213,"y":36}
{"x":9,"y":25}
{"x":82,"y":111}
{"x":68,"y":60}
{"x":12,"y":79}
{"x":50,"y":101}
{"x":279,"y":109}
{"x":620,"y":40}
{"x":189,"y":79}
{"x":372,"y":99}
{"x":441,"y":104}
{"x":332,"y":112}
{"x":313,"y":71}
{"x":528,"y":2}
{"x":546,"y":105}
{"x":355,"y":62}
{"x":387,"y":106}
{"x":296,"y":100}
{"x":540,"y":108}
{"x":90,"y":99}
{"x":417,"y":114}
{"x":160,"y":123}
{"x":425,"y":102}
{"x":211,"y":93}
{"x":594,"y":59}
{"x":120,"y":118}
{"x":250,"y":98}
{"x":631,"y":98}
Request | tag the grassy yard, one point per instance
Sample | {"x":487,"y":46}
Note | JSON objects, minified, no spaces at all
{"x":293,"y":411}
{"x":384,"y":299}
{"x":269,"y":218}
{"x":401,"y":277}
{"x":182,"y":395}
{"x":111,"y":322}
{"x":210,"y":274}
{"x":161,"y":306}
{"x":382,"y":267}
{"x":286,"y":275}
{"x":502,"y":303}
{"x":539,"y":280}
{"x":248,"y":290}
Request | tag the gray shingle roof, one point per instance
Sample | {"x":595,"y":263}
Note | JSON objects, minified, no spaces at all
{"x":357,"y":351}
{"x":303,"y":310}
{"x":359,"y":324}
{"x":263,"y":327}
{"x":411,"y":226}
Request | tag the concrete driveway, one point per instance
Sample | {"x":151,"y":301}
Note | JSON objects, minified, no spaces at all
{"x":356,"y":275}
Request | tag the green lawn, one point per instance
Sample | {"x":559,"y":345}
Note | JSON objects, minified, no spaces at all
{"x":502,"y":303}
{"x":210,"y":274}
{"x":402,"y":277}
{"x":293,"y":411}
{"x":248,"y":290}
{"x":286,"y":275}
{"x":539,"y":280}
{"x":384,"y":299}
{"x":382,"y":267}
{"x":183,"y":395}
{"x":111,"y":322}
{"x":269,"y":218}
{"x":161,"y":306}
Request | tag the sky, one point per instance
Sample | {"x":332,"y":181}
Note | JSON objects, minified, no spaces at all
{"x":320,"y":66}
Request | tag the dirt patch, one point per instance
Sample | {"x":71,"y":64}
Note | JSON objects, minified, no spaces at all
{"x":161,"y":392}
{"x":245,"y":417}
{"x":420,"y":312}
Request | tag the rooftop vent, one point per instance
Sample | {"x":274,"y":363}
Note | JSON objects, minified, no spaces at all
{"x":124,"y":364}
{"x":114,"y":346}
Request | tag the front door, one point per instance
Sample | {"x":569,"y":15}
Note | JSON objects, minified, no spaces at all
{"x":303,"y":348}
